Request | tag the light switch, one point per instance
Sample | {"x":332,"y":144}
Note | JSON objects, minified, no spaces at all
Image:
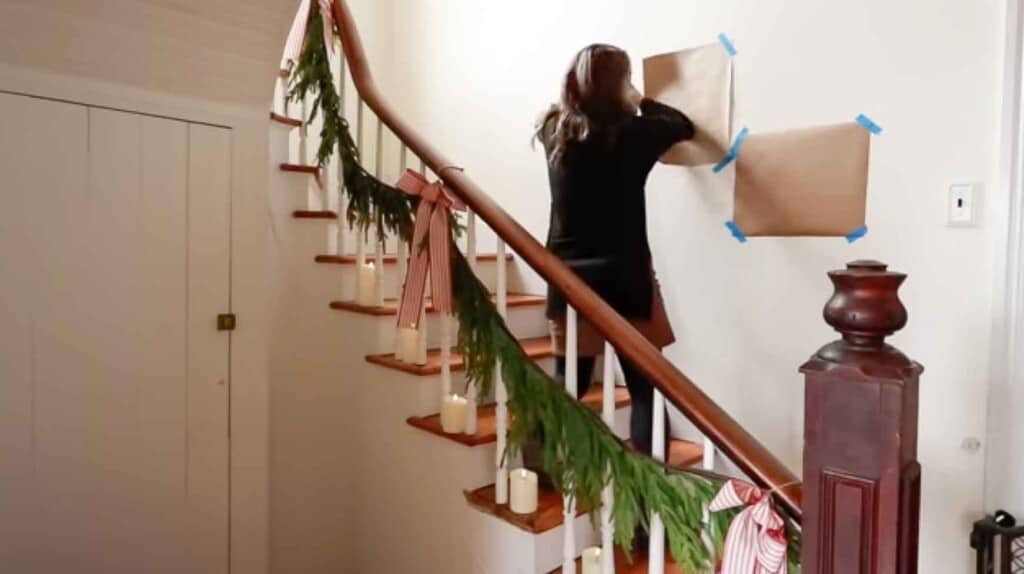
{"x":963,"y":198}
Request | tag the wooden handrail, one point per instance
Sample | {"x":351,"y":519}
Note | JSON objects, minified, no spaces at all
{"x":735,"y":442}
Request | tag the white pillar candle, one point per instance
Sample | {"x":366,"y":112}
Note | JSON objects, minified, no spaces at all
{"x":453,"y":414}
{"x":367,"y":288}
{"x":592,"y":560}
{"x":407,"y":344}
{"x":523,"y":491}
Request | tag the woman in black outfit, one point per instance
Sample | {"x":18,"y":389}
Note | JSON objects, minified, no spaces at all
{"x":601,"y":142}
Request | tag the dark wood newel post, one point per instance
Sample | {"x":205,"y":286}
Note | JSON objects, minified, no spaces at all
{"x":862,"y":480}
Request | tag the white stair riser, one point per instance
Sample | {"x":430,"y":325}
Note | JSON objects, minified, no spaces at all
{"x":500,"y":548}
{"x":342,"y":276}
{"x":427,"y":389}
{"x":524,"y":322}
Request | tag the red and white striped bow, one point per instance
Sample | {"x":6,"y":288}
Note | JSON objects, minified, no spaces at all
{"x":756,"y":541}
{"x":432,"y":216}
{"x":297,"y":35}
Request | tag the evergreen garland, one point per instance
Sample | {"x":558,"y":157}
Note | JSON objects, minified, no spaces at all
{"x":580,"y":452}
{"x":369,"y":199}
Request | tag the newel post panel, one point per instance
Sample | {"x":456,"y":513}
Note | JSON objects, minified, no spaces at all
{"x":862,"y":480}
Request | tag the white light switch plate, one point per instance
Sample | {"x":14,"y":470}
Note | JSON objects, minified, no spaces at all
{"x":963,"y":204}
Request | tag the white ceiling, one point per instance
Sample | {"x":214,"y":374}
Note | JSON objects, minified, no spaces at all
{"x":220,"y":50}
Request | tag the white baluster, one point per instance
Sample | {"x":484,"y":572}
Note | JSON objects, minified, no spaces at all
{"x":360,"y":233}
{"x":421,"y":349}
{"x":471,"y":414}
{"x":471,"y":238}
{"x":608,"y":494}
{"x":471,"y":391}
{"x":608,"y":386}
{"x":708,"y":457}
{"x":280,"y":93}
{"x":360,"y":261}
{"x":403,"y":257}
{"x":571,"y":387}
{"x":381,"y":243}
{"x":340,"y":167}
{"x":500,"y":392}
{"x":378,"y":165}
{"x":359,"y":125}
{"x":284,"y":78}
{"x":303,"y":134}
{"x":502,"y":287}
{"x":378,"y":278}
{"x":656,"y":562}
{"x":403,"y":246}
{"x":446,"y":354}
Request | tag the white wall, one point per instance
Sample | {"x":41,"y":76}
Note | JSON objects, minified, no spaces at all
{"x":474,"y":75}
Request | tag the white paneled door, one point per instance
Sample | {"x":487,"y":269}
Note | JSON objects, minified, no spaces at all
{"x":114,"y":380}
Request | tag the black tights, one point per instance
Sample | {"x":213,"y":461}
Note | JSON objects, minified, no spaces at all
{"x":641,"y":393}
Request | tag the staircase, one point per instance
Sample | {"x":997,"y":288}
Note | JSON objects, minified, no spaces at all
{"x":419,"y":499}
{"x":409,"y":436}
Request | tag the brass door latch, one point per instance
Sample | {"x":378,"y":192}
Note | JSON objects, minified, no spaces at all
{"x":226,"y":322}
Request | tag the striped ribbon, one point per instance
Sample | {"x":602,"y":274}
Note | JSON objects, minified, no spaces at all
{"x":756,"y":541}
{"x":297,"y":35}
{"x":432,"y":218}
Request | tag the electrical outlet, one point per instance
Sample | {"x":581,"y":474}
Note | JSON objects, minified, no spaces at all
{"x":963,"y":204}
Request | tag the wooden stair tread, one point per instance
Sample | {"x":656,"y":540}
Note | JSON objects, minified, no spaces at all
{"x":390,"y":306}
{"x":538,"y":348}
{"x":391,"y":258}
{"x":300,"y":168}
{"x":548,"y":515}
{"x":683,"y":453}
{"x":623,"y":565}
{"x":285,"y":120}
{"x":549,"y":503}
{"x":305,"y":214}
{"x":486,"y":432}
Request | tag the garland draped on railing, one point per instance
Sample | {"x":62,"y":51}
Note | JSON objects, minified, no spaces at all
{"x":580,"y":452}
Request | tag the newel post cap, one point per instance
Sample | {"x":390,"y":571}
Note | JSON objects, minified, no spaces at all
{"x":865,"y":308}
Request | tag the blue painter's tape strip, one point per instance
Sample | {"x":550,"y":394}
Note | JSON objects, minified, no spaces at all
{"x":857,"y":234}
{"x":727,"y":44}
{"x":723,"y":163}
{"x":869,"y":125}
{"x":736,"y":232}
{"x":734,"y":150}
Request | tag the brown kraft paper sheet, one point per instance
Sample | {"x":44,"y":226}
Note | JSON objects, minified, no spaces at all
{"x":698,"y":82}
{"x":806,"y":182}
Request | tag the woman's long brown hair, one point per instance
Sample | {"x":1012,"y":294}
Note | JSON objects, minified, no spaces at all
{"x":592,"y":99}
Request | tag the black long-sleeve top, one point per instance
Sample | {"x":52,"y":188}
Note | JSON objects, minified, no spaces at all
{"x":598,"y":208}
